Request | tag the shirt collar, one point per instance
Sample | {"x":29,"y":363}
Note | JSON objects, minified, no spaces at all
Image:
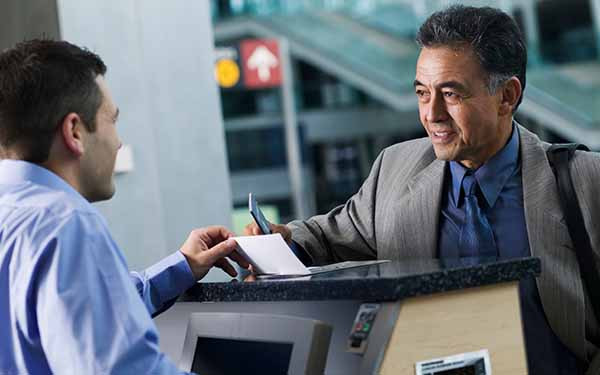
{"x":19,"y":171}
{"x":493,"y":174}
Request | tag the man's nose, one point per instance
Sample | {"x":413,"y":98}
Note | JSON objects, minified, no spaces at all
{"x":436,"y":109}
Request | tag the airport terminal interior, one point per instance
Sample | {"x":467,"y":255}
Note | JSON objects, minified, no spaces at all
{"x":292,"y":101}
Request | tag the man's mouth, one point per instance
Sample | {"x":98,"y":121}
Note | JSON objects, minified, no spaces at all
{"x":443,"y":136}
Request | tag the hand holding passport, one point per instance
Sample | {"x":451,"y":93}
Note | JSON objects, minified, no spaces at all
{"x":270,"y":256}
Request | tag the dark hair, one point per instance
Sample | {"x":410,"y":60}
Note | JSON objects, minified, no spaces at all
{"x":41,"y":82}
{"x":492,"y":34}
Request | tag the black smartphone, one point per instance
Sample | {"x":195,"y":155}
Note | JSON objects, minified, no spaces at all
{"x":258,"y":216}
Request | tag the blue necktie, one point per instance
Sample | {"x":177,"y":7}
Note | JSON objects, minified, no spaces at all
{"x":476,"y":236}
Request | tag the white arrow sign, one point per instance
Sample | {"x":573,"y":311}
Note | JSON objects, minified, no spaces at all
{"x":263,"y":61}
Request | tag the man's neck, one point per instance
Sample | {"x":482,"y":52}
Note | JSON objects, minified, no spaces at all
{"x":65,"y":171}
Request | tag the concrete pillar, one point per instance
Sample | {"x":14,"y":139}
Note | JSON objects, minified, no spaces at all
{"x":20,"y":20}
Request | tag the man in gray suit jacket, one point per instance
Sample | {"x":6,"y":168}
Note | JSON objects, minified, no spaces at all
{"x":470,"y":77}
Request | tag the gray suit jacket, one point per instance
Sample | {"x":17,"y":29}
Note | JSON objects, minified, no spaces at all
{"x":395,"y":215}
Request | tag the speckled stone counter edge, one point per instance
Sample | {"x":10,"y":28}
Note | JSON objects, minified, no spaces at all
{"x":365,"y":289}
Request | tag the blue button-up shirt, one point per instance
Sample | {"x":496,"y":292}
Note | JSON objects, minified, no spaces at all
{"x":501,"y":201}
{"x":68,"y":304}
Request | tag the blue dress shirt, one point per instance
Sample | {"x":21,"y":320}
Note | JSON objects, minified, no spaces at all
{"x":501,"y":201}
{"x":68,"y":304}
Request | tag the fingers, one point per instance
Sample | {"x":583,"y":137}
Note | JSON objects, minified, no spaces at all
{"x":214,"y":234}
{"x":222,"y":250}
{"x":219,"y":232}
{"x":252,"y":229}
{"x":207,"y":247}
{"x":226,"y":266}
{"x":219,"y":251}
{"x":283,"y":230}
{"x":235,"y":256}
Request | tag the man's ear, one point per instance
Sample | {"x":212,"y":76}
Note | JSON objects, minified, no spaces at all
{"x":72,"y":131}
{"x":511,"y":92}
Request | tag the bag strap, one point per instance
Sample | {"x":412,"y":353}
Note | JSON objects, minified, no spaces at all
{"x":559,"y":156}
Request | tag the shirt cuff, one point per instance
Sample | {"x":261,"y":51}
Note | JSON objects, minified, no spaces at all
{"x":171,"y":276}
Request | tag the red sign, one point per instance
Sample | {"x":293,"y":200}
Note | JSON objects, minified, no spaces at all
{"x":260,"y":63}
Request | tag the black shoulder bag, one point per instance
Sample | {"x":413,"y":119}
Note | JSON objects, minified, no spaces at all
{"x":559,"y":156}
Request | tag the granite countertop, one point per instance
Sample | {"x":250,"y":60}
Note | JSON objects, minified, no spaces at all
{"x":380,"y":282}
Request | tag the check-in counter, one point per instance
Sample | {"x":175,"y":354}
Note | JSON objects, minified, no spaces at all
{"x":408,"y":317}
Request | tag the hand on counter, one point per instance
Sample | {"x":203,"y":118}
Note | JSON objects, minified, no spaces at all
{"x":208,"y":247}
{"x":252,"y":229}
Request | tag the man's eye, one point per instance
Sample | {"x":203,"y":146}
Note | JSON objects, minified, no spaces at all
{"x":451,"y":97}
{"x":421,"y":94}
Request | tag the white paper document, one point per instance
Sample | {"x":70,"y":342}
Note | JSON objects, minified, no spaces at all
{"x":270,"y":255}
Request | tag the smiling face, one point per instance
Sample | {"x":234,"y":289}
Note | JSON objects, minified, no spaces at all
{"x":463,"y":120}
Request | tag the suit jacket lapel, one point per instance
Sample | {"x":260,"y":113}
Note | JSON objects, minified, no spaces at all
{"x":418,"y":210}
{"x":559,"y":283}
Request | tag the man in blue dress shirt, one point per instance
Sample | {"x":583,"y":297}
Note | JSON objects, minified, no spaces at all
{"x":478,"y":185}
{"x":68,"y":304}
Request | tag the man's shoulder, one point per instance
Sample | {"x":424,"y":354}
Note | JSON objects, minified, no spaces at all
{"x":411,"y":145}
{"x":585,"y":170}
{"x":587,"y":159}
{"x":33,"y":197}
{"x":51,"y":224}
{"x":411,"y":150}
{"x":38,"y":213}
